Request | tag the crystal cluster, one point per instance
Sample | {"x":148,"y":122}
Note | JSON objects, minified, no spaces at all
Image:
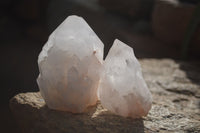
{"x":72,"y":72}
{"x":69,"y":66}
{"x":122,"y":89}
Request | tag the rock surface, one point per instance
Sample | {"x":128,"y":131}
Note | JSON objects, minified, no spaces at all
{"x":176,"y":106}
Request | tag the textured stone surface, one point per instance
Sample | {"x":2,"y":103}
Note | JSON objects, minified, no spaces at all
{"x":69,"y":65}
{"x":176,"y":105}
{"x":176,"y":88}
{"x":122,"y":89}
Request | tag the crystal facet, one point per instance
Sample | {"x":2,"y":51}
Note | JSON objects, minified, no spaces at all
{"x":122,"y":88}
{"x":69,"y":65}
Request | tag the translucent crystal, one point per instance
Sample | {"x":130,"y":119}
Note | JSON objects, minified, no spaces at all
{"x":122,"y":88}
{"x":69,"y":66}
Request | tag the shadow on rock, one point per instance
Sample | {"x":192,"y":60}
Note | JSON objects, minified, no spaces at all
{"x":192,"y":70}
{"x":32,"y":115}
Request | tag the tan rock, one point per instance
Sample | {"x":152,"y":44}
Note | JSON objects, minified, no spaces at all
{"x":176,"y":105}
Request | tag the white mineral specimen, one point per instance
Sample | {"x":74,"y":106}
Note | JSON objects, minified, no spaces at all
{"x":122,"y":89}
{"x":69,"y":66}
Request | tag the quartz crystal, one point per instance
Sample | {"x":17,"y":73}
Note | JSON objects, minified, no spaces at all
{"x":69,"y":65}
{"x":122,"y":88}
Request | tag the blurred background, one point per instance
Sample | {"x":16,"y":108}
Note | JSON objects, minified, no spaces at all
{"x":154,"y":28}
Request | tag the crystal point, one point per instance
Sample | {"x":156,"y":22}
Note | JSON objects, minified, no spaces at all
{"x":69,"y":66}
{"x":122,"y":89}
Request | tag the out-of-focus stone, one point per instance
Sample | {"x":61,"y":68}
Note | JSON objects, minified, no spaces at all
{"x":170,"y":20}
{"x":69,"y":65}
{"x":122,"y":87}
{"x":133,"y":8}
{"x":176,"y":106}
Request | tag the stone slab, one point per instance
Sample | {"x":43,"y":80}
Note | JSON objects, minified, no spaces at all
{"x":175,"y":88}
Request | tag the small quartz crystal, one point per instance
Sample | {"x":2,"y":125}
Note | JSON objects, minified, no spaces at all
{"x":69,"y":65}
{"x":122,"y":88}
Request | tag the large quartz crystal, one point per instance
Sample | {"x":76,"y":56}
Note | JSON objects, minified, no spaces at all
{"x":122,"y":89}
{"x":69,"y":65}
